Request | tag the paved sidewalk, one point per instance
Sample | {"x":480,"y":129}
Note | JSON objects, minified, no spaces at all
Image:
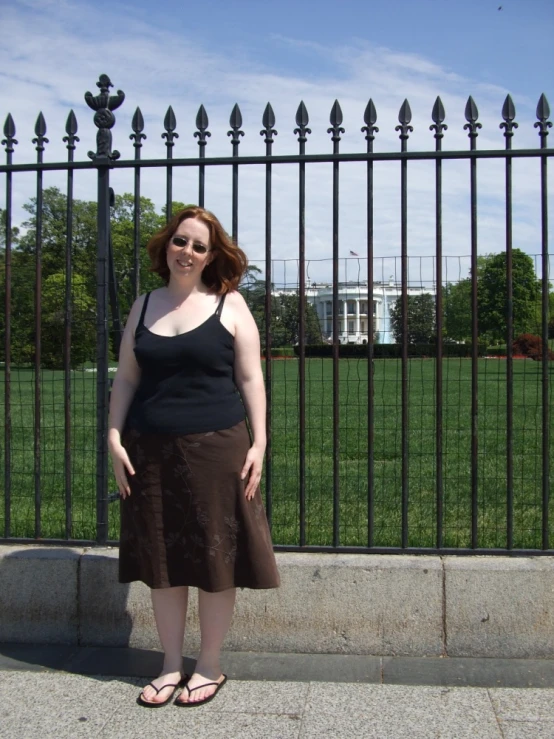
{"x":50,"y":692}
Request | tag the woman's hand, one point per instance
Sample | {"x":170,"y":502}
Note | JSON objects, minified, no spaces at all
{"x":252,"y":470}
{"x":121,"y":465}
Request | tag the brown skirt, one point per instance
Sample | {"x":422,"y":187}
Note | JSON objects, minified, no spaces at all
{"x":187,"y":520}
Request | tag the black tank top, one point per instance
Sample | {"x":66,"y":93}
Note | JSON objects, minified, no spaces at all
{"x":187,"y":382}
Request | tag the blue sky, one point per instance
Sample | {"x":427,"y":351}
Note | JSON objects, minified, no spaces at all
{"x":219,"y":53}
{"x":472,"y":38}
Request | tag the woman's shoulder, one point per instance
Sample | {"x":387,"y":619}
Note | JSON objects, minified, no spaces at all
{"x":234,"y":299}
{"x":136,"y":309}
{"x":235,"y":313}
{"x":156,"y":291}
{"x":139,"y":302}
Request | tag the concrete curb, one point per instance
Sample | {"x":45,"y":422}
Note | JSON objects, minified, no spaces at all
{"x":328,"y":603}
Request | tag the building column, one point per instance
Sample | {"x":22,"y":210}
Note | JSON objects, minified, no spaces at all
{"x":357,"y":324}
{"x":345,"y":314}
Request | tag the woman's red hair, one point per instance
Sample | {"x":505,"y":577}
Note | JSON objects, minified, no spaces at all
{"x":229,"y":262}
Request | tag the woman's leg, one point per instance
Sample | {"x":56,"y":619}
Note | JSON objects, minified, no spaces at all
{"x":170,"y":612}
{"x":215,"y":611}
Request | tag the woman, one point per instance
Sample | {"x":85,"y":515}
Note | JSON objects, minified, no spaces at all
{"x":187,"y":471}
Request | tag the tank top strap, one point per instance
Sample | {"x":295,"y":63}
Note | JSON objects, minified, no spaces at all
{"x":220,"y":306}
{"x":143,"y":311}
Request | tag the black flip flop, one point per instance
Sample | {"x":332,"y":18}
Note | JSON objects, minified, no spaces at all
{"x":151,"y":704}
{"x":206,"y":700}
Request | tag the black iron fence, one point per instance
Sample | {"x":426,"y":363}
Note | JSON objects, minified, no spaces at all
{"x":420,"y":447}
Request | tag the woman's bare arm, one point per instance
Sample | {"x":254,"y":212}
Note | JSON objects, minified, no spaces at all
{"x":248,"y":369}
{"x":250,"y":382}
{"x":127,"y":376}
{"x":124,"y":387}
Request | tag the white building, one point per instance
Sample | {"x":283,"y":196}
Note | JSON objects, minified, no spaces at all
{"x":354,"y":320}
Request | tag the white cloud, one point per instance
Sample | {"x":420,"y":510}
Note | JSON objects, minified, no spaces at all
{"x":53,"y":52}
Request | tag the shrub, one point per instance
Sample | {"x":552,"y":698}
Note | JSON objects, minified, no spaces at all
{"x":282,"y":351}
{"x":392,"y":351}
{"x":530,"y":346}
{"x":497,"y":351}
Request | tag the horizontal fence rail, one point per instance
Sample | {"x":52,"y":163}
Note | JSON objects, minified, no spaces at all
{"x":403,"y":415}
{"x":287,"y":159}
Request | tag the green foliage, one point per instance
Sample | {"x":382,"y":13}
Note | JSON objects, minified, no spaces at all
{"x":83,"y":264}
{"x":123,"y":239}
{"x":393,"y":351}
{"x":286,"y":321}
{"x":326,"y":350}
{"x":22,"y":308}
{"x":83,"y":323}
{"x":492,"y":296}
{"x":421,"y":319}
{"x":14,"y":231}
{"x":285,"y":314}
{"x":457,"y":310}
{"x":282,"y":351}
{"x":497,"y":351}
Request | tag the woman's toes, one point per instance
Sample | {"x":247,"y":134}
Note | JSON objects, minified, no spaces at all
{"x":199,"y":695}
{"x":149,"y":693}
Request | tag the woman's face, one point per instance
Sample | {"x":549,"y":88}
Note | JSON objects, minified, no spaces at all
{"x":189,"y":249}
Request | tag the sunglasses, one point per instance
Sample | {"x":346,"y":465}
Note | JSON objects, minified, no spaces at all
{"x":180,"y":242}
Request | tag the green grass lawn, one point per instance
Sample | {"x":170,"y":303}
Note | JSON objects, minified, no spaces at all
{"x":353,"y":490}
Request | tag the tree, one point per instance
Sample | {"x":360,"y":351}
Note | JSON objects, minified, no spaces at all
{"x":491,"y":300}
{"x":83,"y":257}
{"x":14,"y":240}
{"x":53,"y":241}
{"x":252,"y":289}
{"x":421,"y":319}
{"x":53,"y":250}
{"x":285,"y":317}
{"x":457,"y":310}
{"x":15,"y":232}
{"x":53,"y":236}
{"x":123,"y":239}
{"x":22,"y":309}
{"x":83,"y":314}
{"x":286,"y":321}
{"x":492,"y":296}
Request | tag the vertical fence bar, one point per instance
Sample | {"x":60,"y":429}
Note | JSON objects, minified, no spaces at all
{"x":543,"y":124}
{"x":137,"y":136}
{"x":336,"y":129}
{"x":70,"y":138}
{"x":405,"y":116}
{"x":102,"y":329}
{"x":235,"y":121}
{"x":113,"y":291}
{"x":170,"y":124}
{"x":104,"y":119}
{"x":508,"y":113}
{"x":40,"y":140}
{"x":201,"y":134}
{"x":439,"y":126}
{"x":370,"y":118}
{"x":471,"y":115}
{"x":302,"y":130}
{"x":8,"y":142}
{"x":268,"y":121}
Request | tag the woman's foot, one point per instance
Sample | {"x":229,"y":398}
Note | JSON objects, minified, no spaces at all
{"x":162,"y":689}
{"x":201,"y":687}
